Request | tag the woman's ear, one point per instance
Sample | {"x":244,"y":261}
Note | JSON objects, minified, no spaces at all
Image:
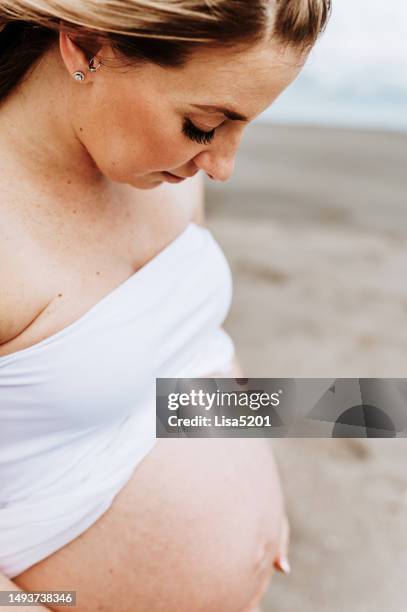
{"x":77,"y":49}
{"x":72,"y":55}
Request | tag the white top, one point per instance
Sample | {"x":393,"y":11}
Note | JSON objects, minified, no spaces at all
{"x":77,"y":409}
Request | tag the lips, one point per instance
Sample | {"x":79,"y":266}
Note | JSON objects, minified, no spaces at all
{"x":172,"y":178}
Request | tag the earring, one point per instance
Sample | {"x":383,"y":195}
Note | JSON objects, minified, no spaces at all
{"x":93,"y":66}
{"x":78,"y":76}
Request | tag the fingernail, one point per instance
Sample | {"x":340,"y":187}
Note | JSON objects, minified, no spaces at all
{"x":284,"y":565}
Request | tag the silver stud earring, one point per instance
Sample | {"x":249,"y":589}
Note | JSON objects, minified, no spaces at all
{"x":78,"y":75}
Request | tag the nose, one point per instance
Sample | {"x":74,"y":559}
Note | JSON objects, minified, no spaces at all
{"x":218,"y":161}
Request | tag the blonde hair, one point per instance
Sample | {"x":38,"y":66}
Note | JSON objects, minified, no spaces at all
{"x":162,"y":31}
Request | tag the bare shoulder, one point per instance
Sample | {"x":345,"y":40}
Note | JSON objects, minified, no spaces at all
{"x":179,"y":203}
{"x":189,"y":193}
{"x":195,"y":187}
{"x":186,"y":199}
{"x":198,"y":196}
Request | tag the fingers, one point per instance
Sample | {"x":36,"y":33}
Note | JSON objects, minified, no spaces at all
{"x":281,"y":562}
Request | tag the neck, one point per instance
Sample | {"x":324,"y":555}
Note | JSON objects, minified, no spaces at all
{"x":39,"y":135}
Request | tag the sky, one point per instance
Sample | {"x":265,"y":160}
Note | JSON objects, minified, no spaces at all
{"x":357,"y":74}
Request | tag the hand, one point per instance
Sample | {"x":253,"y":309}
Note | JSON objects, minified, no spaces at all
{"x":281,"y":562}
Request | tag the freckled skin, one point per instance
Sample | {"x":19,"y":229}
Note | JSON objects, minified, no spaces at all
{"x":139,"y":111}
{"x":126,"y":127}
{"x":149,"y":139}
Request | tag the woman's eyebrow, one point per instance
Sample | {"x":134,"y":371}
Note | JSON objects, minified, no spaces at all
{"x":228,"y":112}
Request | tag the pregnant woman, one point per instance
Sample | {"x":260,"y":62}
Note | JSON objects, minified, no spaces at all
{"x":109,"y":279}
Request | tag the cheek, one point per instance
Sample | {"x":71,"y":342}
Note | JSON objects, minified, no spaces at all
{"x":126,"y":145}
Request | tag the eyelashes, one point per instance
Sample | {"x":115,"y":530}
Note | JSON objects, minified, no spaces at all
{"x":193,"y":133}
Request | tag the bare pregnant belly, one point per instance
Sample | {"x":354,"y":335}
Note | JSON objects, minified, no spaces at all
{"x":195,"y":529}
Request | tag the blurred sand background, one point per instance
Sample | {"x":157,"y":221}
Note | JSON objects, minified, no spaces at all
{"x":314,"y":225}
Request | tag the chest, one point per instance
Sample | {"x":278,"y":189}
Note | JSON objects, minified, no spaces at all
{"x":58,"y":259}
{"x":162,"y":321}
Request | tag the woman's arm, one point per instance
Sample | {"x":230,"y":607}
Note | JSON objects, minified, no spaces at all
{"x":7,"y":585}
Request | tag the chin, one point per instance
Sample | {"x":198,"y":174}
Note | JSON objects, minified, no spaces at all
{"x":140,"y":181}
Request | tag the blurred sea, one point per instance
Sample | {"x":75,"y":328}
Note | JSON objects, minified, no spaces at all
{"x":357,"y":74}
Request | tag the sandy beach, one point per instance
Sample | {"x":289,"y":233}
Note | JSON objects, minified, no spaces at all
{"x":313,"y":224}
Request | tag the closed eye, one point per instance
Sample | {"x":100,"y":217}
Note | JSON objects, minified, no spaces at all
{"x":195,"y":134}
